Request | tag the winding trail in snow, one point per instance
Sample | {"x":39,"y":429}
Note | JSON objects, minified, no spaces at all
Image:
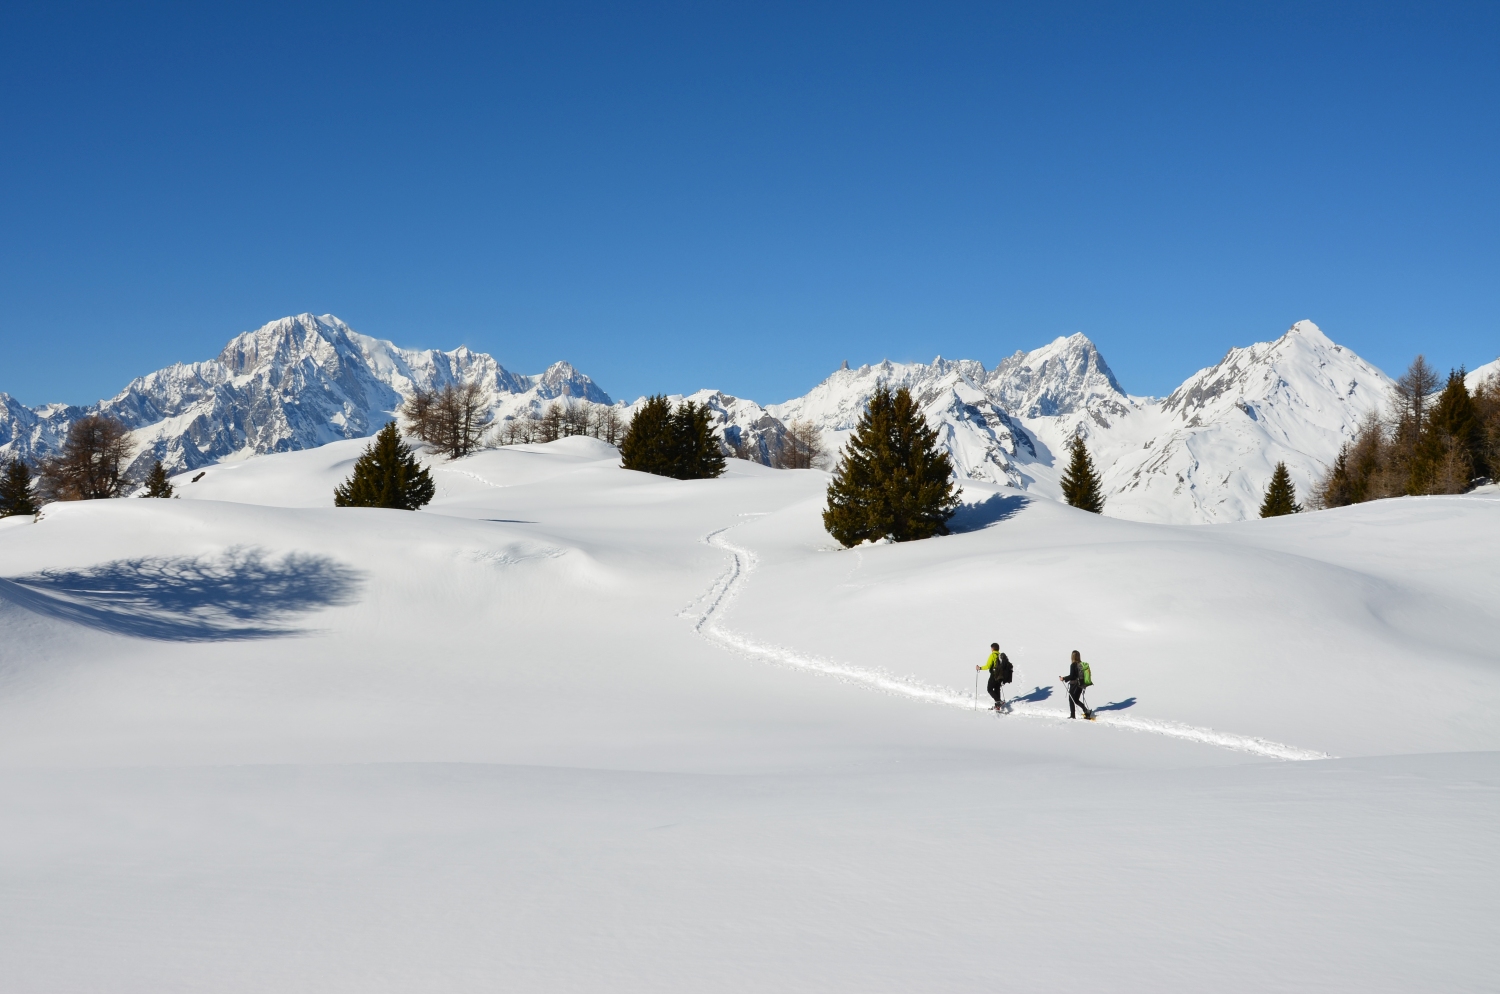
{"x":707,"y":611}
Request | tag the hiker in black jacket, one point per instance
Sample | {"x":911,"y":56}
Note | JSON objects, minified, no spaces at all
{"x":1074,"y":680}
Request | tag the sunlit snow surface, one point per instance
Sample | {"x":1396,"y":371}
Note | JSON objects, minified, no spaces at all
{"x":574,"y":729}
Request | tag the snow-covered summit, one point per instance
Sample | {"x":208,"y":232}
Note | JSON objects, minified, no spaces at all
{"x":294,"y":383}
{"x":1203,"y":454}
{"x":1064,"y":377}
{"x":1210,"y":446}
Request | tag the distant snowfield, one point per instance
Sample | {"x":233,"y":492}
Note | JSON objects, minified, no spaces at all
{"x":575,"y":728}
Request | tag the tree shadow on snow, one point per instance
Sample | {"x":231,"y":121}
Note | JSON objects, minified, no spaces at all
{"x":239,"y":595}
{"x":1128,"y":702}
{"x":1039,"y":694}
{"x":991,"y":510}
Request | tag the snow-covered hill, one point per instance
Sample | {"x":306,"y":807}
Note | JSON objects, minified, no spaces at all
{"x":296,"y":383}
{"x":574,"y":728}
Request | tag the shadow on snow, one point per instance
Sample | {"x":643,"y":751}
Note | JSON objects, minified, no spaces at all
{"x":993,"y":509}
{"x":238,"y":595}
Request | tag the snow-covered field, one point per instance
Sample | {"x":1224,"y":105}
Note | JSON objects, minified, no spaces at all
{"x":572,"y":728}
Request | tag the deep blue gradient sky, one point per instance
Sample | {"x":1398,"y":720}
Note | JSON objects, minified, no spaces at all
{"x":741,"y":196}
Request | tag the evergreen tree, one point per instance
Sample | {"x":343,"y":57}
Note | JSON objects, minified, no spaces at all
{"x":1455,"y":417}
{"x":647,"y":445}
{"x":16,"y":495}
{"x":696,"y":452}
{"x":893,"y":481}
{"x":680,"y":444}
{"x":1081,"y":486}
{"x":1281,"y":496}
{"x":1338,"y":487}
{"x":157,"y":484}
{"x":386,"y":475}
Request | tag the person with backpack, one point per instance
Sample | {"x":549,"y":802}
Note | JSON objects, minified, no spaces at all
{"x":1001,"y":673}
{"x":1078,"y":680}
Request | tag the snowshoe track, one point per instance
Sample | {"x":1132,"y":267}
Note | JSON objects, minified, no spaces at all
{"x":707,"y":611}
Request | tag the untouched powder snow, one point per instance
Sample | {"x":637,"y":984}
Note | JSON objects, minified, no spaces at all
{"x":578,"y":728}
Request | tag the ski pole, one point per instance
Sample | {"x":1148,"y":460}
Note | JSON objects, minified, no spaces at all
{"x":976,"y":688}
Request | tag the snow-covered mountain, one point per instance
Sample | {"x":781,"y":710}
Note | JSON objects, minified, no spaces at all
{"x":295,"y":383}
{"x":1203,"y":454}
{"x":1482,"y":374}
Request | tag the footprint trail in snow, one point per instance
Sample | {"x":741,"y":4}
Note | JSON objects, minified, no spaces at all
{"x":706,"y":622}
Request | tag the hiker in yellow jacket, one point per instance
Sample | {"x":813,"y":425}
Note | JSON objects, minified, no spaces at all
{"x":1001,"y":672}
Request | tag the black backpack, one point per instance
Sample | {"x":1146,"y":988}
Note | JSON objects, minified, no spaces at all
{"x":1007,"y":671}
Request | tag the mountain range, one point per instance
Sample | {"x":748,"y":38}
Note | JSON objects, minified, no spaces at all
{"x":1201,"y":455}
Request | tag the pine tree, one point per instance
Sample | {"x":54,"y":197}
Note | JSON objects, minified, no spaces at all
{"x":1338,"y":488}
{"x":1081,"y":486}
{"x":16,"y":495}
{"x":386,"y":475}
{"x":647,"y":445}
{"x":892,"y":481}
{"x":696,"y":451}
{"x":1455,"y":417}
{"x":157,"y":484}
{"x":1281,"y":496}
{"x":680,"y":444}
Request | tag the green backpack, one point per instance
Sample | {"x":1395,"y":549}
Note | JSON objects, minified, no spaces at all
{"x":1088,"y":677}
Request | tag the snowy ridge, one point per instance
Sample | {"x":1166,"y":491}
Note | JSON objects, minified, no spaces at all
{"x":706,"y":622}
{"x":295,"y":383}
{"x":1482,"y":374}
{"x":1202,"y":455}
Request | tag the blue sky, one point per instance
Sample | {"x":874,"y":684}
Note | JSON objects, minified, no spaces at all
{"x":741,"y":196}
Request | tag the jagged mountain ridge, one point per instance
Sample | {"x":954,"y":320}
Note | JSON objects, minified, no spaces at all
{"x":1202,"y":454}
{"x":294,"y":383}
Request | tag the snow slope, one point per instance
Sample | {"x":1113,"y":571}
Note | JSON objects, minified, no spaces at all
{"x":573,"y":727}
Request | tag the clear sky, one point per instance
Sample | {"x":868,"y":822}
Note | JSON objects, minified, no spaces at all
{"x":741,"y":196}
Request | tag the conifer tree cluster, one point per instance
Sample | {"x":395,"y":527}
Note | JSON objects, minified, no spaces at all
{"x":157,"y":484}
{"x":16,"y":489}
{"x":1281,"y":496}
{"x":678,"y":443}
{"x":386,"y":475}
{"x":1429,"y":442}
{"x":893,"y":481}
{"x":1081,"y":486}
